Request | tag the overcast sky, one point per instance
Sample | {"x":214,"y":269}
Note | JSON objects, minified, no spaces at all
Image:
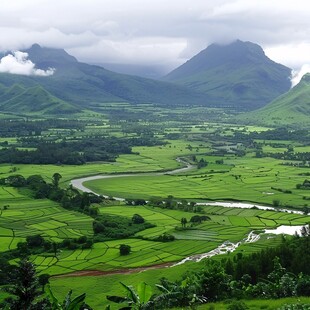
{"x":156,"y":32}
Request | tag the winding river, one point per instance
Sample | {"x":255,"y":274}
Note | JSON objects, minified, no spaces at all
{"x":224,"y":247}
{"x":78,"y":183}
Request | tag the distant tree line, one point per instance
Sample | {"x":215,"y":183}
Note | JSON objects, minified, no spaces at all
{"x":21,"y":127}
{"x":284,"y":134}
{"x":76,"y":152}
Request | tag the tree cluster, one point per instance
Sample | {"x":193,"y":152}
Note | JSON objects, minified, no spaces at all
{"x":108,"y":227}
{"x":304,"y":185}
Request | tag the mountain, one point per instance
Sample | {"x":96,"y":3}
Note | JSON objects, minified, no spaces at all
{"x":238,"y":74}
{"x":33,"y":100}
{"x":90,"y":86}
{"x":290,"y":108}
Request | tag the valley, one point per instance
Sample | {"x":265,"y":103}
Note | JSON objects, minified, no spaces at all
{"x":222,"y":162}
{"x":107,"y":178}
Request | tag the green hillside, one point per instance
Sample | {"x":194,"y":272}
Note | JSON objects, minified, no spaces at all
{"x":8,"y":93}
{"x":33,"y":100}
{"x":238,"y":74}
{"x":288,"y":109}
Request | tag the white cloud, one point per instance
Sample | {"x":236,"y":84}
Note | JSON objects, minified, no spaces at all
{"x":93,"y":28}
{"x":297,"y":75}
{"x":17,"y":63}
{"x":292,"y":55}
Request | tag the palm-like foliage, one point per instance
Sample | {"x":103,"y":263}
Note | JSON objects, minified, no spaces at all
{"x":68,"y":303}
{"x":136,"y":300}
{"x":172,"y":294}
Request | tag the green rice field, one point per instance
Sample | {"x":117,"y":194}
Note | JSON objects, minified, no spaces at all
{"x":245,"y":179}
{"x":22,"y":216}
{"x":225,"y":225}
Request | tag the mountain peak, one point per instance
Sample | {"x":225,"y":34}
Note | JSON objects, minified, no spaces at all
{"x":35,"y":46}
{"x":45,"y":57}
{"x":236,"y":74}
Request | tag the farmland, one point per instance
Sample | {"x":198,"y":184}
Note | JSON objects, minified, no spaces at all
{"x":255,"y":176}
{"x":225,"y":224}
{"x":229,"y":170}
{"x":22,"y":216}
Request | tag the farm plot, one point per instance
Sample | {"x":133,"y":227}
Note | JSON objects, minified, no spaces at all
{"x":22,"y":216}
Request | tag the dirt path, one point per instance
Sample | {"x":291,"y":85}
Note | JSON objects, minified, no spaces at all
{"x":94,"y":273}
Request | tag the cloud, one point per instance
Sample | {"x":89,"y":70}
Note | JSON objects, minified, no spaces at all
{"x":297,"y":75}
{"x":169,"y":32}
{"x":17,"y":63}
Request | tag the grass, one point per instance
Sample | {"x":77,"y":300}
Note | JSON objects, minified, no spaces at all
{"x":26,"y":216}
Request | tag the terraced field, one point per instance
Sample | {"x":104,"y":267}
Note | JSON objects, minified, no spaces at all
{"x":225,"y":225}
{"x":22,"y":216}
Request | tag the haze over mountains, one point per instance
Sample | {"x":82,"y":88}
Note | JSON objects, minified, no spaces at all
{"x":238,"y":75}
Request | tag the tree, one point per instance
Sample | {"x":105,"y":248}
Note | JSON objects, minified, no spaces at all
{"x":124,"y":249}
{"x":276,"y":203}
{"x":183,"y":222}
{"x":34,"y":241}
{"x":43,"y":280}
{"x":56,"y":179}
{"x":137,"y":219}
{"x":178,"y":293}
{"x":16,"y":180}
{"x":25,"y":288}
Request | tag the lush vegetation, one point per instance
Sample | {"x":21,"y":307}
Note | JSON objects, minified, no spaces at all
{"x":291,"y":108}
{"x":275,"y":277}
{"x":65,"y":232}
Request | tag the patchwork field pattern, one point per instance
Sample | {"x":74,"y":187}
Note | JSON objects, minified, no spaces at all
{"x":22,"y":216}
{"x":225,"y":225}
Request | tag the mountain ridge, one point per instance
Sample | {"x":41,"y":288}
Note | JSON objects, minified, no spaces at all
{"x":236,"y":74}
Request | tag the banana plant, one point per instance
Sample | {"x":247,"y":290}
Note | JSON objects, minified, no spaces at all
{"x":140,"y":299}
{"x":68,"y":303}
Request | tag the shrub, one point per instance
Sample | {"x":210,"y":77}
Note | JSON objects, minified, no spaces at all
{"x":124,"y":249}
